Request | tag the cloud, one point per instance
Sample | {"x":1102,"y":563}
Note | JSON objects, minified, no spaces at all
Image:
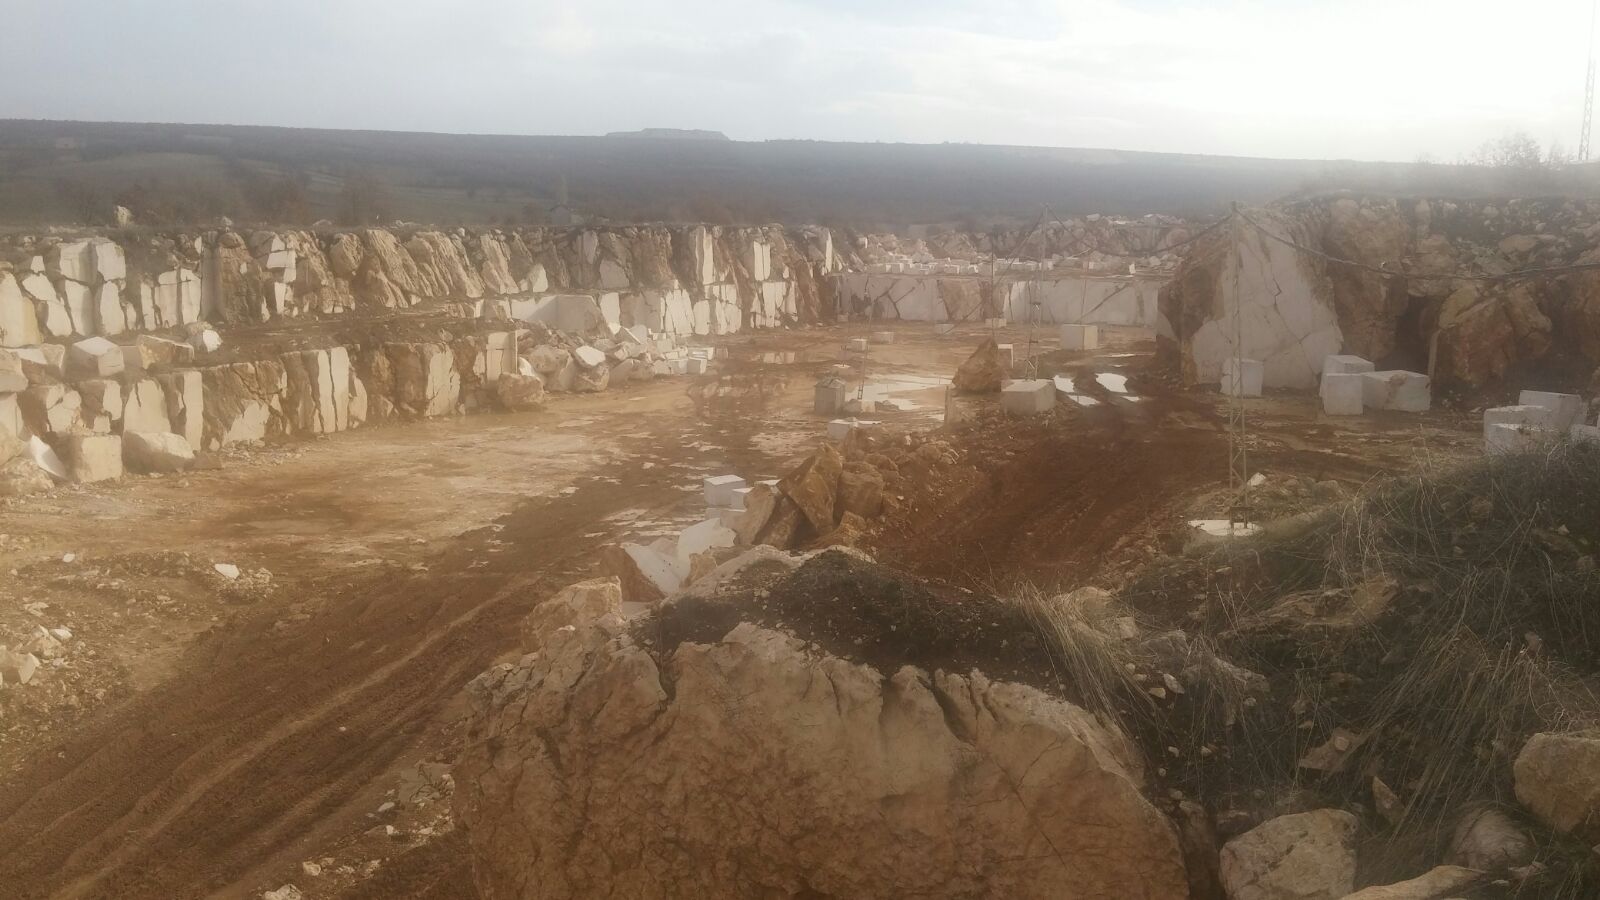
{"x":1370,"y":79}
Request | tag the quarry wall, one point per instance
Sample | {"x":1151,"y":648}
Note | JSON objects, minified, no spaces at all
{"x":1445,"y":287}
{"x":1062,"y":298}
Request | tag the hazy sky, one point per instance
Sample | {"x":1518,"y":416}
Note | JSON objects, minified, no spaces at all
{"x":1365,"y":79}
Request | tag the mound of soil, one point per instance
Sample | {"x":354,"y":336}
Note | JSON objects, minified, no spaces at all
{"x":868,"y":613}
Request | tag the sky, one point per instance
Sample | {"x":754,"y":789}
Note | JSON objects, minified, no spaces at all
{"x":1353,"y":79}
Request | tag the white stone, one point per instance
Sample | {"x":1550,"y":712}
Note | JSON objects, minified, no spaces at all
{"x":1342,"y":393}
{"x":1242,"y":377}
{"x":703,"y":536}
{"x":95,"y":357}
{"x":739,"y":495}
{"x":227,"y":570}
{"x":1339,"y":364}
{"x":839,"y":429}
{"x":830,"y":396}
{"x":588,"y":357}
{"x":44,"y":456}
{"x":1028,"y":397}
{"x":1538,"y":417}
{"x":1080,"y":337}
{"x":207,"y":341}
{"x":856,"y":345}
{"x":719,"y":489}
{"x":1500,"y":439}
{"x":16,"y":668}
{"x":92,"y":457}
{"x":1008,"y":355}
{"x":883,"y":337}
{"x":1567,"y":409}
{"x":1396,"y":390}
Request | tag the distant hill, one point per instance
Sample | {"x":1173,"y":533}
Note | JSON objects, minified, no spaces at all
{"x":671,"y":134}
{"x":75,"y":172}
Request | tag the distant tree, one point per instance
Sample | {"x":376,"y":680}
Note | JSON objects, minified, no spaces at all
{"x":1513,"y":150}
{"x":87,"y":203}
{"x":365,"y":200}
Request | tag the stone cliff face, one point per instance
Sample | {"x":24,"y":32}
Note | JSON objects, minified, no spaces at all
{"x":1468,"y":334}
{"x":756,"y":766}
{"x":692,"y":278}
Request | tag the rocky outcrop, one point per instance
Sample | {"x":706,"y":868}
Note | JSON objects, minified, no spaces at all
{"x":754,"y":765}
{"x":1404,"y":306}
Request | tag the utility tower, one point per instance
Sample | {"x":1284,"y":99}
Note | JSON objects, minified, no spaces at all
{"x":1588,"y":91}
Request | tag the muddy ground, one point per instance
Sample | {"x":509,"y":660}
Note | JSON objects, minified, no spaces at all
{"x":207,"y":737}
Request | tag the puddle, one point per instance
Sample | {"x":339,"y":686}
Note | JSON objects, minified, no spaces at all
{"x":1116,"y":384}
{"x":1224,"y":527}
{"x":1065,"y":385}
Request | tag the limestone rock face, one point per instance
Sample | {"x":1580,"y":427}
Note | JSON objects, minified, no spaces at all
{"x":1307,"y":856}
{"x":585,"y":776}
{"x":983,"y":371}
{"x":1557,"y":777}
{"x":91,"y":457}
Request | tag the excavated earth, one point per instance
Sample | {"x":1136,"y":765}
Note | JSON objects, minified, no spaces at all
{"x":207,"y":738}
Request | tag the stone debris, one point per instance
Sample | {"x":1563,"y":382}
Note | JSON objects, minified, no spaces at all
{"x":287,"y":892}
{"x":16,"y":668}
{"x":516,"y":392}
{"x":228,"y":571}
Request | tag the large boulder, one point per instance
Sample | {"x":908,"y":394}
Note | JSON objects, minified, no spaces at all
{"x":814,"y":486}
{"x":1306,"y":856}
{"x":519,"y":393}
{"x":151,"y":453}
{"x":1557,"y":777}
{"x":750,"y":765}
{"x":91,"y":457}
{"x":983,"y":371}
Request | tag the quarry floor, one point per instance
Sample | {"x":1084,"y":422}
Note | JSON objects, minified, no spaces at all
{"x":204,"y":737}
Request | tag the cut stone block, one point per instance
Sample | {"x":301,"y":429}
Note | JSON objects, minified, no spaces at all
{"x":92,"y":457}
{"x":839,"y":429}
{"x":856,"y":345}
{"x":1566,"y":409}
{"x":1536,"y":417}
{"x":44,"y":364}
{"x":1008,"y":355}
{"x":149,"y":351}
{"x":156,"y":453}
{"x":703,"y":536}
{"x":739,"y":496}
{"x":207,"y":341}
{"x":1337,"y":364}
{"x":1028,"y":397}
{"x":94,"y":357}
{"x":719,"y":489}
{"x":1080,"y":337}
{"x":1396,"y":390}
{"x":883,"y":337}
{"x":694,"y":365}
{"x":144,"y":407}
{"x":1499,"y":439}
{"x":1242,"y":377}
{"x":830,"y":396}
{"x":51,"y":408}
{"x":1343,"y":393}
{"x":185,"y":397}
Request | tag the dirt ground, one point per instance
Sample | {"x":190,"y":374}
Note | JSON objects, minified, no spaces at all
{"x":200,"y":736}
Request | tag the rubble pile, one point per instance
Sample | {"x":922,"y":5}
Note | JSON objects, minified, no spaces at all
{"x":1407,"y":310}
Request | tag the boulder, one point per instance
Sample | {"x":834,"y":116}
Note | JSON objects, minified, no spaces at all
{"x":1487,"y":840}
{"x":583,"y":604}
{"x":21,"y":476}
{"x":784,"y":525}
{"x":149,"y":352}
{"x":592,"y":380}
{"x":1306,"y":856}
{"x":1438,"y":884}
{"x":861,"y":490}
{"x":751,"y":766}
{"x":519,"y":393}
{"x":1557,"y":777}
{"x":814,"y":486}
{"x":984,"y":370}
{"x":759,"y":504}
{"x":152,"y":453}
{"x":91,"y":457}
{"x":16,"y":668}
{"x":44,"y":364}
{"x":645,"y":574}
